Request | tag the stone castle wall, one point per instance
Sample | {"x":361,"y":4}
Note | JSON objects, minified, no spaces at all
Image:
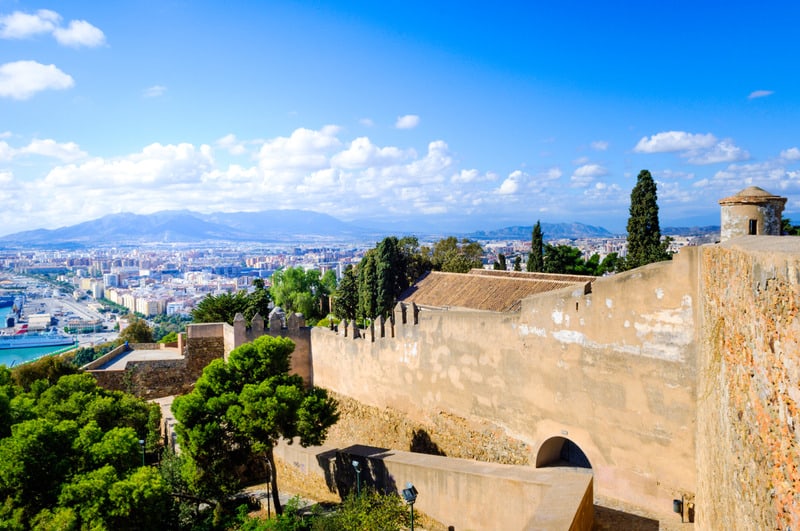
{"x":748,"y":456}
{"x":611,"y":370}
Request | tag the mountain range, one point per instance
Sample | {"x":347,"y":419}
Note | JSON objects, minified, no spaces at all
{"x":267,"y":226}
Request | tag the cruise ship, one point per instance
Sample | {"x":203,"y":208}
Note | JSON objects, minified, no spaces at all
{"x":25,"y":339}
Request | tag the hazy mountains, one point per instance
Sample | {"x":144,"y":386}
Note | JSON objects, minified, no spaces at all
{"x":268,"y":226}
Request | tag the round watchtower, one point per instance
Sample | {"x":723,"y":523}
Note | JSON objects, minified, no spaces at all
{"x":753,"y":211}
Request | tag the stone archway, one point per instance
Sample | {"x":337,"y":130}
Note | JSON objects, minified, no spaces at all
{"x":560,"y":451}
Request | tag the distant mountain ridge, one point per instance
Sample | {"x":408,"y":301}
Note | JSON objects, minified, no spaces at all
{"x":550,"y":231}
{"x":267,"y":226}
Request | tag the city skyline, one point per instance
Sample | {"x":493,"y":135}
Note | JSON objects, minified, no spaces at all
{"x":454,"y":115}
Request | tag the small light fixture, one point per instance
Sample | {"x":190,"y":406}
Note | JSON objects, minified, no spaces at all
{"x":410,"y":495}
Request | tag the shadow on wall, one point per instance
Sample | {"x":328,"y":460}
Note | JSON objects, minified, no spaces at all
{"x":421,"y":443}
{"x":356,"y":465}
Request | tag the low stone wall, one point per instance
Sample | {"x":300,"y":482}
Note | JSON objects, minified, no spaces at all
{"x":148,"y":379}
{"x":458,"y":492}
{"x":748,"y":457}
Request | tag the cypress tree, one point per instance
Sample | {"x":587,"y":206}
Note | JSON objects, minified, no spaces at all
{"x":390,"y":275}
{"x":644,"y":234}
{"x":367,"y":286}
{"x":536,"y":256}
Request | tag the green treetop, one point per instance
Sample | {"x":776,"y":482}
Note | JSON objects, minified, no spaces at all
{"x":536,"y":256}
{"x":644,"y":235}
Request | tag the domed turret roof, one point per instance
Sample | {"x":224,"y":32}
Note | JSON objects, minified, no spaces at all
{"x":751,"y":194}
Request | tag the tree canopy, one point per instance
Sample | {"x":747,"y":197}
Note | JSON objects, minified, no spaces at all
{"x":238,"y":411}
{"x":536,"y":256}
{"x":223,"y":308}
{"x":454,"y":256}
{"x":137,"y":331}
{"x":296,"y":290}
{"x":70,"y":457}
{"x":644,"y":234}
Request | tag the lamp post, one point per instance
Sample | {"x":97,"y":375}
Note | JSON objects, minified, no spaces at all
{"x":269,"y":482}
{"x":357,"y":467}
{"x":410,"y":495}
{"x":141,"y":443}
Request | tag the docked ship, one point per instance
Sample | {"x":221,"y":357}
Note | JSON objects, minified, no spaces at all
{"x":24,"y":339}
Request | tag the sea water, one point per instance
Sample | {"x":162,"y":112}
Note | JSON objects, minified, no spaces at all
{"x":14,"y":356}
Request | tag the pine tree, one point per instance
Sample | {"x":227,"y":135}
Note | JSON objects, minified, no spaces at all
{"x":644,"y":235}
{"x":536,"y":256}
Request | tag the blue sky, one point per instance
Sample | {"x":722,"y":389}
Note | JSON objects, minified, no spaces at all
{"x":454,"y":115}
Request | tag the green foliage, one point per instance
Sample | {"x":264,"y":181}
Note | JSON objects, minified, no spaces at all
{"x":296,"y":290}
{"x":517,"y":263}
{"x":172,"y":337}
{"x":644,"y":234}
{"x":240,"y":408}
{"x":500,"y":263}
{"x":390,"y":275}
{"x":565,"y":259}
{"x":85,"y":355}
{"x":164,"y":325}
{"x":536,"y":256}
{"x":221,"y":308}
{"x":787,"y":229}
{"x":368,"y":286}
{"x":452,"y":256}
{"x":137,"y":331}
{"x":346,"y":295}
{"x":48,"y":369}
{"x":70,"y":457}
{"x":370,"y":511}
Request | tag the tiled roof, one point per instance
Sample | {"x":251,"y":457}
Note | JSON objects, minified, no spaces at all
{"x":498,"y":291}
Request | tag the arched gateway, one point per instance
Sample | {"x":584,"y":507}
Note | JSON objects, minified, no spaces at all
{"x":560,"y":451}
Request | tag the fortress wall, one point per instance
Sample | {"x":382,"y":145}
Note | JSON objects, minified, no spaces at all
{"x":611,"y":370}
{"x":461,"y":493}
{"x":748,"y":457}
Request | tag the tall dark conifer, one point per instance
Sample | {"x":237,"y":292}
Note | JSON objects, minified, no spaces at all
{"x":644,"y":234}
{"x":367,"y":286}
{"x":536,"y":256}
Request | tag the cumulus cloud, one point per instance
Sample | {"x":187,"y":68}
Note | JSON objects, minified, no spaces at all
{"x":790,"y":154}
{"x":77,"y":33}
{"x":19,"y":25}
{"x":362,"y":153}
{"x":512,"y":183}
{"x":723,"y":151}
{"x":231,"y":144}
{"x":585,"y":175}
{"x":80,"y":33}
{"x":22,"y":79}
{"x":66,"y":152}
{"x":154,"y":92}
{"x":760,"y":94}
{"x":409,"y":121}
{"x":696,"y":148}
{"x":670,"y":141}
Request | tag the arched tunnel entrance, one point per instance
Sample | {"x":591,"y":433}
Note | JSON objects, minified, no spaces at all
{"x":560,"y":451}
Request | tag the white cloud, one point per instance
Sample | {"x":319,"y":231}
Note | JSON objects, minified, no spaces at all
{"x":22,"y":79}
{"x":512,"y":183}
{"x":362,"y":153}
{"x":790,"y":154}
{"x":600,"y":145}
{"x":6,"y":151}
{"x":67,"y":152}
{"x":670,"y":141}
{"x":723,"y":151}
{"x":19,"y":25}
{"x":760,"y":94}
{"x":696,"y":148}
{"x":366,"y":122}
{"x":231,"y":145}
{"x":305,"y":149}
{"x":154,"y":92}
{"x":585,"y":175}
{"x":79,"y":33}
{"x":409,"y":121}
